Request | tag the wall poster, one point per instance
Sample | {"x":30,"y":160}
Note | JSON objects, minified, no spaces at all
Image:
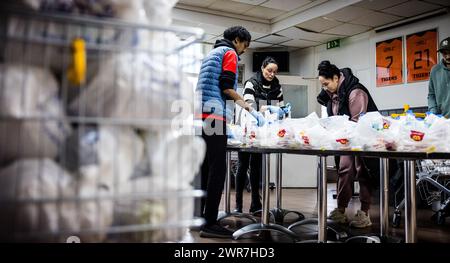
{"x":421,"y":54}
{"x":389,"y":62}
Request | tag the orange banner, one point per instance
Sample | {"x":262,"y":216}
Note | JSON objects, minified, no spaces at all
{"x":421,"y":54}
{"x":389,"y":62}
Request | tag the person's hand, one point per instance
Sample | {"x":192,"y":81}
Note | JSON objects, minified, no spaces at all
{"x":275,"y":109}
{"x":287,"y":108}
{"x":259,"y":117}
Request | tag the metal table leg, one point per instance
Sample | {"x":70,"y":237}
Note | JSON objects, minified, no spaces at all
{"x":321,"y":219}
{"x":278,"y":212}
{"x":321,"y":202}
{"x":322,"y":199}
{"x":264,"y":225}
{"x":384,"y":197}
{"x":227,"y":212}
{"x":410,"y":202}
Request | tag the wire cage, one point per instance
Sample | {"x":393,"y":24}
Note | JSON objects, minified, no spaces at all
{"x":96,"y":142}
{"x":433,"y":188}
{"x":434,"y":182}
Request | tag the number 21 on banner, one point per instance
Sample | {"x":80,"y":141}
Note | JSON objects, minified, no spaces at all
{"x":421,"y":54}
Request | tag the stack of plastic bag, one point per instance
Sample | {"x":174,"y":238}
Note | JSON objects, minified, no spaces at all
{"x":140,"y":89}
{"x":423,"y":135}
{"x":108,"y":153}
{"x":278,"y":134}
{"x":163,"y":176}
{"x":310,"y":134}
{"x":340,"y":131}
{"x":144,"y":12}
{"x":154,"y":11}
{"x":33,"y":119}
{"x":39,"y":201}
{"x":375,"y":132}
{"x":235,"y":135}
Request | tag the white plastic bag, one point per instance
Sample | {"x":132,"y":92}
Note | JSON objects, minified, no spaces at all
{"x":310,"y":134}
{"x":109,"y":153}
{"x":144,"y":11}
{"x":34,"y":122}
{"x":27,"y":92}
{"x":134,"y":87}
{"x":41,"y":214}
{"x":373,"y":132}
{"x":438,"y":133}
{"x":340,"y":131}
{"x":235,"y":135}
{"x":414,"y":135}
{"x":176,"y":159}
{"x":171,"y":163}
{"x":277,"y":134}
{"x":164,"y":207}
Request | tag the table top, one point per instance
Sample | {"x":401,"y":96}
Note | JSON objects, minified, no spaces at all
{"x":377,"y":154}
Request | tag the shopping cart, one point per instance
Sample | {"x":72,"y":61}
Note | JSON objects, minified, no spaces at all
{"x":433,"y":185}
{"x":92,"y":146}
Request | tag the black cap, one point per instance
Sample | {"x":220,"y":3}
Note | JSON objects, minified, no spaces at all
{"x":444,"y":45}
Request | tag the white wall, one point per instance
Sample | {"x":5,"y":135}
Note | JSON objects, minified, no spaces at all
{"x":247,"y":60}
{"x":358,"y":53}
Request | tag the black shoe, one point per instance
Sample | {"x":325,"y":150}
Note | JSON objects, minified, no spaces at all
{"x":255,"y":207}
{"x":215,"y":231}
{"x":237,"y":210}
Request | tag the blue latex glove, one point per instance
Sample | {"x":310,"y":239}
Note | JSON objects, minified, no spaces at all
{"x":259,"y":117}
{"x":230,"y":134}
{"x":287,"y":108}
{"x":277,"y":110}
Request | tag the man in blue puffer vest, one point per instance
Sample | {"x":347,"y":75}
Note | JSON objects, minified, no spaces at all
{"x":217,"y":83}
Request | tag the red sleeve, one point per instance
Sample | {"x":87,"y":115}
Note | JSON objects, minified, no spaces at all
{"x":229,"y":61}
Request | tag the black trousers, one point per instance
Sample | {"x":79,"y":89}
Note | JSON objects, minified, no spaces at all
{"x":213,"y":174}
{"x":255,"y":162}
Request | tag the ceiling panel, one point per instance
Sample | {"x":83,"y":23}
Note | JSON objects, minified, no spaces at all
{"x":296,"y":33}
{"x":300,"y":43}
{"x":347,"y":29}
{"x":256,"y":44}
{"x":213,"y":39}
{"x":286,"y":5}
{"x":439,"y":2}
{"x":263,"y":12}
{"x":411,"y":8}
{"x":202,"y":3}
{"x":230,"y":6}
{"x":212,"y":29}
{"x":177,"y":22}
{"x":256,"y":35}
{"x":348,"y":13}
{"x":250,"y":2}
{"x":319,"y":24}
{"x":210,"y":38}
{"x":375,"y":19}
{"x":379,"y":4}
{"x":273,"y":39}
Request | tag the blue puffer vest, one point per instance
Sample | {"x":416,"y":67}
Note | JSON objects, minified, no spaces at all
{"x":213,"y":100}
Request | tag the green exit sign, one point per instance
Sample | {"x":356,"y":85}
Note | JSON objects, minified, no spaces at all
{"x":333,"y":44}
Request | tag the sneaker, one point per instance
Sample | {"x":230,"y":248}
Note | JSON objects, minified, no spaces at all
{"x":361,"y":220}
{"x":337,"y":216}
{"x":216,"y":231}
